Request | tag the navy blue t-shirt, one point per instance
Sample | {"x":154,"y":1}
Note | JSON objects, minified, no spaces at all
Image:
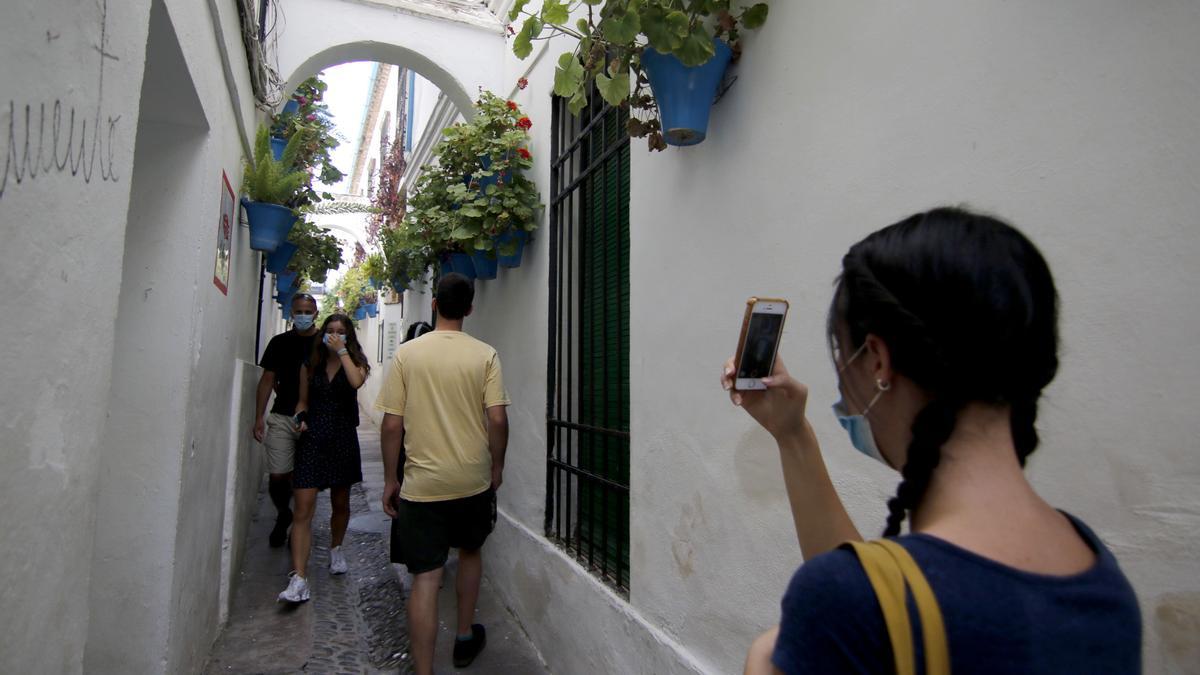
{"x":998,"y":619}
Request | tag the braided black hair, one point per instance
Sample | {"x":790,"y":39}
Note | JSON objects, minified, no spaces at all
{"x":968,"y":309}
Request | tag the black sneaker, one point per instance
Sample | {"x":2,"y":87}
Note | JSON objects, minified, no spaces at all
{"x":279,"y":534}
{"x":465,"y":651}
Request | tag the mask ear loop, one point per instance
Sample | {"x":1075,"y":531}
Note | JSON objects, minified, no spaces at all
{"x":881,"y":387}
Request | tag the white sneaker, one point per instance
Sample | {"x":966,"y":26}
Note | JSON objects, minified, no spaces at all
{"x":337,"y":561}
{"x":297,"y":590}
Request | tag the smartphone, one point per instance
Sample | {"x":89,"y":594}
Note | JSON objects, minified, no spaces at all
{"x":759,"y":343}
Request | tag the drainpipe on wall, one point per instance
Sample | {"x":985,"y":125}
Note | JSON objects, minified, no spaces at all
{"x":262,"y":277}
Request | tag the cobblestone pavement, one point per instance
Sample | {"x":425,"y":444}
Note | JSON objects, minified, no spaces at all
{"x":355,"y":623}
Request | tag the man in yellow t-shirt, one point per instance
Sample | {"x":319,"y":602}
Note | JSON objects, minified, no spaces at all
{"x":444,"y":396}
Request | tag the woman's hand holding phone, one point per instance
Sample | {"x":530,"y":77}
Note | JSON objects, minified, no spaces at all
{"x":780,"y":409}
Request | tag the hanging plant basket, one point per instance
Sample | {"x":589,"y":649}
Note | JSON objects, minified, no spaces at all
{"x":278,"y":145}
{"x":458,"y":262}
{"x":277,"y":260}
{"x":360,"y":313}
{"x":269,"y":224}
{"x":286,"y":310}
{"x":685,"y":95}
{"x":521,"y":237}
{"x":287,"y":281}
{"x":485,"y":263}
{"x":372,"y":309}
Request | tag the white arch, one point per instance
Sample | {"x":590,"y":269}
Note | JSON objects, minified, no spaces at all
{"x":457,"y":56}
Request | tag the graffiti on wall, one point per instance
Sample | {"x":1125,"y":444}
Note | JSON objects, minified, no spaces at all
{"x":52,"y":138}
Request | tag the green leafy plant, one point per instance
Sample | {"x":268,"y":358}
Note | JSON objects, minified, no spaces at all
{"x":407,"y":258}
{"x":611,"y":35}
{"x":351,"y":289}
{"x":313,"y":124}
{"x":317,"y":251}
{"x":376,"y":269}
{"x":476,"y":191}
{"x":269,"y":181}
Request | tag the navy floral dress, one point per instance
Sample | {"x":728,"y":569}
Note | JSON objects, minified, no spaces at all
{"x":327,"y":454}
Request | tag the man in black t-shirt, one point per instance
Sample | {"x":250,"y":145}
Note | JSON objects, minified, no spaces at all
{"x":281,"y":363}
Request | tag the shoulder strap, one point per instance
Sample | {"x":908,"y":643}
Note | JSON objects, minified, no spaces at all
{"x":892,"y":571}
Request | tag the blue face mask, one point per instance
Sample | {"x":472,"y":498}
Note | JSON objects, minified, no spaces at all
{"x":303,"y":321}
{"x":858,"y":426}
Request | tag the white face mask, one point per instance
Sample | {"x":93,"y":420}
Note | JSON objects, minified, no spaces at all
{"x":303,"y":321}
{"x":858,"y":426}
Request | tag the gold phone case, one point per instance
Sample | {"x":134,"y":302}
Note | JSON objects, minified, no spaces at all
{"x":737,"y":366}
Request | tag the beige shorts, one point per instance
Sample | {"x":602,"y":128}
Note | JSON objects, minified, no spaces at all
{"x":280,"y":442}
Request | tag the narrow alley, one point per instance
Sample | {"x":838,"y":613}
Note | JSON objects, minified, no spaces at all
{"x":354,"y":623}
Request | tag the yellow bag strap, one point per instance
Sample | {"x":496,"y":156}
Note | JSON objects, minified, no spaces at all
{"x":891,"y":570}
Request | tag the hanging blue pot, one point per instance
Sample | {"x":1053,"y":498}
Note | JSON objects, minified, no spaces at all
{"x":458,"y":262}
{"x":286,"y":281}
{"x":374,"y":283}
{"x":485,"y":161}
{"x":485,"y":264}
{"x":278,"y":145}
{"x":685,"y":95}
{"x":292,"y":106}
{"x":269,"y":224}
{"x":360,"y":313}
{"x":278,"y":259}
{"x":286,"y":310}
{"x":400,"y":282}
{"x":372,"y":309}
{"x":521,"y":237}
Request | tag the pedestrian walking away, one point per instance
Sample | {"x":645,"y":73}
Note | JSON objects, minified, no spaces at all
{"x":278,"y":432}
{"x":415,"y":331}
{"x":943,"y":333}
{"x":327,"y":455}
{"x":444,"y":400}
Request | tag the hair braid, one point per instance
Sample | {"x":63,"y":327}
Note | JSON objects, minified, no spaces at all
{"x":1024,"y":433}
{"x":931,"y":428}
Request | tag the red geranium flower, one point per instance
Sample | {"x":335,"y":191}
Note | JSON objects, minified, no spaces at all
{"x":512,"y":106}
{"x":522,"y":83}
{"x":525,"y":123}
{"x":524,"y":153}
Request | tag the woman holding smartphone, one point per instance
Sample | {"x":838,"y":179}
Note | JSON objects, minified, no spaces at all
{"x":944,"y":332}
{"x":327,"y":455}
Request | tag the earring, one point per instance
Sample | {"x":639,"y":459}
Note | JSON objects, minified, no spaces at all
{"x":882,"y":385}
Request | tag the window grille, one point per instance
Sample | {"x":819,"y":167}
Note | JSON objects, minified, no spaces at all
{"x":587,"y":420}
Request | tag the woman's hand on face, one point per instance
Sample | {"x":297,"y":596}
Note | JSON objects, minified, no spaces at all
{"x":780,"y":408}
{"x":336,"y":342}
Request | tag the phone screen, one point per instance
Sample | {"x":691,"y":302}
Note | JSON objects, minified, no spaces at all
{"x":762,"y":337}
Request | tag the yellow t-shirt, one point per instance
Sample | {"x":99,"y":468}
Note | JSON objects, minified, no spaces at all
{"x":442,"y":383}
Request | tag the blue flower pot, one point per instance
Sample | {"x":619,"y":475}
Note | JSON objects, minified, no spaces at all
{"x":485,"y":263}
{"x":372,"y":309}
{"x":360,"y":313}
{"x":269,"y":224}
{"x":400,"y":283}
{"x":278,"y":259}
{"x":685,"y":95}
{"x":292,"y":106}
{"x":521,"y":237}
{"x":374,"y":283}
{"x":486,"y":162}
{"x":458,"y":262}
{"x":278,"y":145}
{"x":286,"y":281}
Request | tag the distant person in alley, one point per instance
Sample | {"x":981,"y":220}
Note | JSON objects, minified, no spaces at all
{"x":281,"y":363}
{"x":444,"y":398}
{"x":327,"y":455}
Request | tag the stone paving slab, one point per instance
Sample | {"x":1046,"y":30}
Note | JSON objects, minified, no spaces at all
{"x":355,"y":623}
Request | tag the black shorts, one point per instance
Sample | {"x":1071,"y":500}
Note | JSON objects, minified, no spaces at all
{"x":424,"y":532}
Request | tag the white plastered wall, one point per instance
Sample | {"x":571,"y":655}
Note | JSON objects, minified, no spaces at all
{"x":114,"y":488}
{"x":1075,"y":121}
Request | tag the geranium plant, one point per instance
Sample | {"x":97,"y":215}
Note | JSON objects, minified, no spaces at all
{"x":317,"y":251}
{"x":611,"y":36}
{"x":311,"y":121}
{"x":476,"y":191}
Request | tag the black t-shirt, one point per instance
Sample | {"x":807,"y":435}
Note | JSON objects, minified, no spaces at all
{"x":285,"y":354}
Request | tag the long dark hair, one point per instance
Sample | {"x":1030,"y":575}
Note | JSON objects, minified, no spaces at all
{"x":320,"y":353}
{"x":969,"y":312}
